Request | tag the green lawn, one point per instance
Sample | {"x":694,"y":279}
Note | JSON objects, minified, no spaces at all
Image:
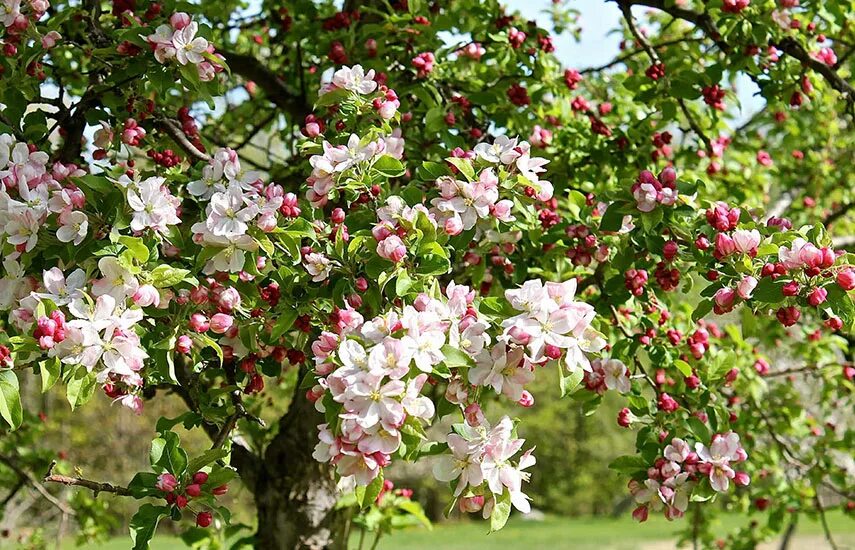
{"x":554,"y":533}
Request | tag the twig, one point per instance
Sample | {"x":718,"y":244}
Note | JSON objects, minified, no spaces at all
{"x":788,"y":45}
{"x":623,"y":329}
{"x":625,"y":6}
{"x":181,"y":139}
{"x":629,"y":55}
{"x":824,"y":522}
{"x":14,"y":491}
{"x":61,"y":506}
{"x":95,"y":486}
{"x":837,"y":213}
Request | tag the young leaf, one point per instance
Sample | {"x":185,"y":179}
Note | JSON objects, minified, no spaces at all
{"x":10,"y":399}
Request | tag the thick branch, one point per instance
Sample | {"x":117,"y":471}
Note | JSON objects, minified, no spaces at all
{"x":277,"y":90}
{"x":792,"y":48}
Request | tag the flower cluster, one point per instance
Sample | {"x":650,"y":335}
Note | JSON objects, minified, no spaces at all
{"x":93,"y":328}
{"x":178,"y":41}
{"x":648,"y":190}
{"x":395,"y":222}
{"x":463,"y":204}
{"x":672,"y":479}
{"x":552,"y":324}
{"x":236,"y":200}
{"x":808,"y":269}
{"x":30,"y":193}
{"x":371,"y":373}
{"x":196,"y":486}
{"x":607,"y":374}
{"x":153,"y":205}
{"x":16,"y":14}
{"x":340,"y":165}
{"x":480,"y":461}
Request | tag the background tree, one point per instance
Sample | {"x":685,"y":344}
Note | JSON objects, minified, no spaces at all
{"x":233,"y":203}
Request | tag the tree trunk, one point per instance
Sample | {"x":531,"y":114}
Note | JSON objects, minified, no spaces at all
{"x":294,"y":494}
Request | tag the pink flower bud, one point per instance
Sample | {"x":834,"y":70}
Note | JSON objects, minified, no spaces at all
{"x":667,"y":403}
{"x":640,"y":513}
{"x":50,"y":39}
{"x":741,"y":479}
{"x":183,"y":344}
{"x":146,"y":295}
{"x":193,"y":490}
{"x":817,"y":296}
{"x":453,"y":226}
{"x":846,"y":279}
{"x":392,"y":248}
{"x":179,"y":20}
{"x":471,"y":504}
{"x":199,"y":322}
{"x":724,"y":298}
{"x":229,"y":299}
{"x":527,"y":399}
{"x":221,"y":323}
{"x":746,"y":287}
{"x":473,"y":414}
{"x":204,"y":519}
{"x":166,"y":483}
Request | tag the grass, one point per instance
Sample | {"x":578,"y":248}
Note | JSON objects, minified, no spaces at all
{"x":554,"y":533}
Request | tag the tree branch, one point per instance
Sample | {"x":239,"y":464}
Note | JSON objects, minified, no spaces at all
{"x":277,"y":90}
{"x":788,"y":45}
{"x":23,"y":474}
{"x":838,"y":213}
{"x":168,"y":126}
{"x":95,"y":486}
{"x":625,"y":6}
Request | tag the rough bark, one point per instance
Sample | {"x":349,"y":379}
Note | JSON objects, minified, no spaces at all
{"x":294,"y":494}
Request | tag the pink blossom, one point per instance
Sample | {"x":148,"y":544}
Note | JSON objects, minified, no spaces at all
{"x":746,"y":287}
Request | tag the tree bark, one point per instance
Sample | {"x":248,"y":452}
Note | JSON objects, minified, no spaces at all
{"x":295,"y":495}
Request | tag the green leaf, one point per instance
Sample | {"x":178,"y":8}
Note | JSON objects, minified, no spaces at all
{"x":684,"y":368}
{"x":403,"y":283}
{"x":209,"y":456}
{"x":454,"y":358}
{"x":283,"y":323}
{"x":143,"y":485}
{"x":167,"y":456}
{"x":415,"y":509}
{"x":629,"y":464}
{"x":10,"y":399}
{"x":569,"y":383}
{"x":465,"y":167}
{"x":769,"y":290}
{"x":137,"y":248}
{"x":164,"y":276}
{"x":372,"y":491}
{"x":389,"y":166}
{"x":704,"y":307}
{"x":612,"y":219}
{"x":333,"y":97}
{"x":144,"y":524}
{"x":50,"y":370}
{"x":80,"y":388}
{"x":501,"y":512}
{"x":206,"y":341}
{"x":701,"y":431}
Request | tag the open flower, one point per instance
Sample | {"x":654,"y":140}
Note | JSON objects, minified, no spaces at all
{"x":188,"y":47}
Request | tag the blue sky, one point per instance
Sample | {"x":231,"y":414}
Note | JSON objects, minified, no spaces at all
{"x":596,"y":47}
